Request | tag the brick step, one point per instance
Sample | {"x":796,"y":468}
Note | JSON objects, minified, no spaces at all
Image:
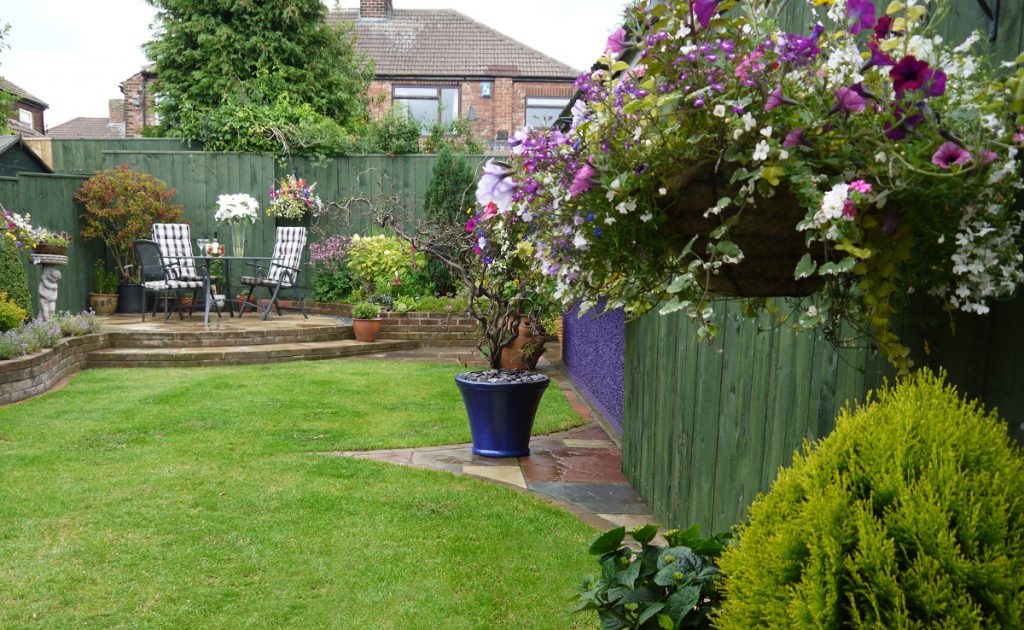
{"x":239,"y":354}
{"x":219,"y":337}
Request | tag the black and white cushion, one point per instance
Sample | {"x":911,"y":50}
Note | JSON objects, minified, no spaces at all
{"x":285,"y":263}
{"x":175,"y":242}
{"x":171,"y":285}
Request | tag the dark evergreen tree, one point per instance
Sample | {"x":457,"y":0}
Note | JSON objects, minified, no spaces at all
{"x":448,"y":195}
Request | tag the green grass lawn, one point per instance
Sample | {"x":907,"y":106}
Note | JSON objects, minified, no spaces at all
{"x":195,"y":498}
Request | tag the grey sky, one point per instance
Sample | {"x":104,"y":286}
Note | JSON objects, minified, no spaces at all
{"x":74,"y":53}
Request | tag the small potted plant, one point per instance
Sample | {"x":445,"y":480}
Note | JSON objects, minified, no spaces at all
{"x":366,"y":321}
{"x":103,"y":300}
{"x":52,"y":243}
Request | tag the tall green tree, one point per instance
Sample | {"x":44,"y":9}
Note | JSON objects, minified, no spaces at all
{"x":238,"y":58}
{"x":6,"y":98}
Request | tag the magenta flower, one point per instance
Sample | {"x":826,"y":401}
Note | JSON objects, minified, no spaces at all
{"x":860,"y":186}
{"x":863,"y":14}
{"x":987,"y":157}
{"x":495,"y":185}
{"x":878,"y":58}
{"x":705,"y":10}
{"x":583,"y":181}
{"x":913,"y":74}
{"x":617,"y":42}
{"x":848,"y":100}
{"x":775,"y":99}
{"x":883,"y":27}
{"x":902,"y":124}
{"x":950,"y":154}
{"x":849,"y":209}
{"x":795,"y":138}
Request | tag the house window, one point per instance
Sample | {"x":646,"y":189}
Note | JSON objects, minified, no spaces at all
{"x":428,"y":105}
{"x":25,"y":116}
{"x":541,"y":112}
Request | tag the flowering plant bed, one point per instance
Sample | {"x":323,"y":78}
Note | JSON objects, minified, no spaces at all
{"x":894,"y":153}
{"x":293,"y":198}
{"x":19,"y":228}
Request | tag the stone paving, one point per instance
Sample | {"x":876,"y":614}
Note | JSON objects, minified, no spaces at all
{"x":579,"y":469}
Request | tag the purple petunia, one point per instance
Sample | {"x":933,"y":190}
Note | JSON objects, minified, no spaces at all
{"x":950,"y":154}
{"x":705,"y":10}
{"x":583,"y":181}
{"x":902,"y":124}
{"x":878,"y":58}
{"x":495,"y":185}
{"x":616,"y":42}
{"x":848,"y":100}
{"x":912,"y":73}
{"x":776,"y":99}
{"x":863,"y":14}
{"x":795,"y":138}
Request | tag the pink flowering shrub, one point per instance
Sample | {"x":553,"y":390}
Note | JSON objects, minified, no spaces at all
{"x":900,"y":148}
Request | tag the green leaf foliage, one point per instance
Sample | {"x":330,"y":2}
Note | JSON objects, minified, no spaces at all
{"x":909,"y":515}
{"x":448,"y":194}
{"x":234,"y":61}
{"x":13,"y":279}
{"x":11,"y":314}
{"x":656,"y":587}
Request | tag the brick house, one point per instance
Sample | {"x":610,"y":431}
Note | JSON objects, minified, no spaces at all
{"x":93,"y":127}
{"x":26,"y":115}
{"x":438,"y":63}
{"x":441,"y":64}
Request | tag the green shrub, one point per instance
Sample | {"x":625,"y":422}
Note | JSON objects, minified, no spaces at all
{"x":13,"y":279}
{"x":448,"y":194}
{"x":431,"y":304}
{"x":104,"y":281}
{"x":457,"y":135}
{"x":374,"y":260}
{"x":656,"y":587}
{"x":909,"y":515}
{"x":11,"y":314}
{"x":365,"y":310}
{"x":395,"y":133}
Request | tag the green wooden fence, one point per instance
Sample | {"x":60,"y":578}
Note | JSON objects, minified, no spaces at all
{"x":706,"y":428}
{"x":198,"y":178}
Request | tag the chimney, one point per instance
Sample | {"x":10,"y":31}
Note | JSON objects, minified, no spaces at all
{"x":375,"y":9}
{"x":116,"y":110}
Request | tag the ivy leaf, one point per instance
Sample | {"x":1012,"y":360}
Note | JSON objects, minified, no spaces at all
{"x":673,"y":305}
{"x":805,"y":267}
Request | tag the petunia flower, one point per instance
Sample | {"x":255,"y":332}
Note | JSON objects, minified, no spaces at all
{"x":950,"y":154}
{"x":913,"y":74}
{"x":878,"y":59}
{"x":883,"y":27}
{"x":583,"y":181}
{"x":987,"y":157}
{"x":705,"y":10}
{"x":495,"y":185}
{"x":795,"y":138}
{"x":848,"y":100}
{"x":776,"y":99}
{"x":863,"y":14}
{"x":616,"y":42}
{"x":902,"y":124}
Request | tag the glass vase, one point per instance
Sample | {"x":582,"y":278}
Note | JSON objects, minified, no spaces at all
{"x":238,"y":239}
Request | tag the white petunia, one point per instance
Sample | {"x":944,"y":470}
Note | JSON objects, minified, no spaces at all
{"x":580,"y":241}
{"x":645,"y":217}
{"x":767,"y":131}
{"x":719,"y":110}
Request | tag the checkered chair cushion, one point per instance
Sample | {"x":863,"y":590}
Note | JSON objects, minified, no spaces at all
{"x":175,"y":242}
{"x":284,"y":266}
{"x":170,"y":285}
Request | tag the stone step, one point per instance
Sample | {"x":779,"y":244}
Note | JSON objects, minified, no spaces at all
{"x":239,"y":354}
{"x":141,"y":336}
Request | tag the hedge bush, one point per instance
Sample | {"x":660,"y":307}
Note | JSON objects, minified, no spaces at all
{"x":13,"y":279}
{"x":11,"y":315}
{"x":909,"y":515}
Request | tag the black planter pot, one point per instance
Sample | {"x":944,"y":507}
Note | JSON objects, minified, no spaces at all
{"x":130,"y":298}
{"x":501,"y":415}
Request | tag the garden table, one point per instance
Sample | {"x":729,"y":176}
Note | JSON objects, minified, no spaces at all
{"x":228,"y":298}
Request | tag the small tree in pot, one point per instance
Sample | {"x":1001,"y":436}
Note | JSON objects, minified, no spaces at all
{"x":504,"y":295}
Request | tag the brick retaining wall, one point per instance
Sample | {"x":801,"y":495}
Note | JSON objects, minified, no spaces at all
{"x":433,"y":329}
{"x":34,"y":374}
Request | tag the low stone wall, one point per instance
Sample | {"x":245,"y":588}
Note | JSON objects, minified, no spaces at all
{"x":31,"y":375}
{"x":432,"y":329}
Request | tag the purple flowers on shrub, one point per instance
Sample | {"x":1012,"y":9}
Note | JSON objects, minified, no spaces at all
{"x":495,"y":185}
{"x":34,"y":336}
{"x":950,"y":154}
{"x":583,"y":181}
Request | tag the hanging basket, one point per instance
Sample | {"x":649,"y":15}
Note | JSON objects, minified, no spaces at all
{"x":51,"y":250}
{"x":766,"y":234}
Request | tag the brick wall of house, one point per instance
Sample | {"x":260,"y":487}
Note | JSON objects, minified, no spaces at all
{"x":115,"y":107}
{"x":38,"y":122}
{"x":138,"y":97}
{"x":503,"y":111}
{"x":374,"y":8}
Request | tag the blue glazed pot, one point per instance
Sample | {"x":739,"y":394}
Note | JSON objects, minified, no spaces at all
{"x":501,"y":415}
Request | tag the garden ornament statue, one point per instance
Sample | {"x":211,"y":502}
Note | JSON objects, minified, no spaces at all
{"x":48,"y":285}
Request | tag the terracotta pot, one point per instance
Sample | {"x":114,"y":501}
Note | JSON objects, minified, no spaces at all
{"x":766,"y":234}
{"x":525,"y":350}
{"x":103,"y":303}
{"x":366,"y":329}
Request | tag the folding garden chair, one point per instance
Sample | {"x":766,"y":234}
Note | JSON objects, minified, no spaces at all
{"x":175,"y":243}
{"x":157,"y":278}
{"x":282,"y":274}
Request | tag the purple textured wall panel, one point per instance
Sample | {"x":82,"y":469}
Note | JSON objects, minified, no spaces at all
{"x":594,"y":350}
